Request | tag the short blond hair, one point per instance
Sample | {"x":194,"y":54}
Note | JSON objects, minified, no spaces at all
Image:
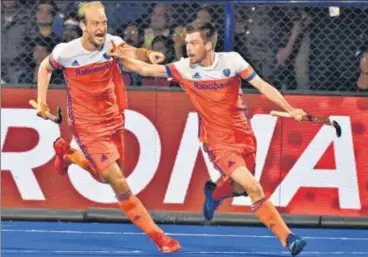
{"x":83,"y":6}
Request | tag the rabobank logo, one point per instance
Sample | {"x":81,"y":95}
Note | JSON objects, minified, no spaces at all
{"x":87,"y":71}
{"x":211,"y":86}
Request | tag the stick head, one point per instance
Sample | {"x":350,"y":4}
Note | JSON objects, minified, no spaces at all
{"x":337,"y":127}
{"x":59,"y":117}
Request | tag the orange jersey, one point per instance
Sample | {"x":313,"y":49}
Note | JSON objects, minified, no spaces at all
{"x":96,"y":92}
{"x":217,"y":96}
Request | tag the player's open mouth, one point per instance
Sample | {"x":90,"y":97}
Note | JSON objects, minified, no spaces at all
{"x":100,"y":35}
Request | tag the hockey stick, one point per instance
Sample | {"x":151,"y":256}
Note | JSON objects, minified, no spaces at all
{"x":57,"y":119}
{"x":312,"y":118}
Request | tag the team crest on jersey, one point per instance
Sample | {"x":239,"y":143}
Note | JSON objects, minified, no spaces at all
{"x":226,"y":72}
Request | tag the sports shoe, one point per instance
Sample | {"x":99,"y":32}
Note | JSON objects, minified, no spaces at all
{"x":295,"y":244}
{"x":166,"y":244}
{"x":210,"y":205}
{"x":61,"y":148}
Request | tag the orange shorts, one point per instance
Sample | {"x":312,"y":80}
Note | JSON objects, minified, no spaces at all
{"x":226,"y":161}
{"x":102,"y":148}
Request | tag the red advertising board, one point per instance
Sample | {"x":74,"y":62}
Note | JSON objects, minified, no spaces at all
{"x":304,"y":167}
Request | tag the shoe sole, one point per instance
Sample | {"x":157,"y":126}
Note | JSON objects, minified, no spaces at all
{"x":172,"y":249}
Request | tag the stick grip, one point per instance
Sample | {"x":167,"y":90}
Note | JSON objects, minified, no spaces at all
{"x":281,"y":114}
{"x":33,"y":103}
{"x":52,"y":117}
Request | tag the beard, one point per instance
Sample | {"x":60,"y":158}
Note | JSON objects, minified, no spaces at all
{"x":196,"y":59}
{"x":193,"y":60}
{"x":96,"y":42}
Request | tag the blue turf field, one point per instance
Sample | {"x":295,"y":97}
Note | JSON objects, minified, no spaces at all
{"x":94,"y":239}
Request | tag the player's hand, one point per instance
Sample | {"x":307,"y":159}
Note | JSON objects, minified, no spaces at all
{"x":297,"y":114}
{"x":113,"y":51}
{"x":42,"y":108}
{"x":117,"y":50}
{"x":156,"y":57}
{"x":179,"y":36}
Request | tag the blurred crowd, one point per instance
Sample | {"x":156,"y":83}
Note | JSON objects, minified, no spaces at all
{"x":292,"y":47}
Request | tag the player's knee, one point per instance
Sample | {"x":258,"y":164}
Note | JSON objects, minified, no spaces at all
{"x":238,"y":189}
{"x":115,"y":178}
{"x":119,"y":185}
{"x":254,"y":189}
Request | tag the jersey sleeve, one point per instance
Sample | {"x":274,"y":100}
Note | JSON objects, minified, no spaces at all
{"x":56,"y":57}
{"x":175,"y":70}
{"x":243,"y":68}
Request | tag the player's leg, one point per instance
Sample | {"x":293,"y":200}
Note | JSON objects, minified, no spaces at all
{"x":135,"y":210}
{"x":216,"y":192}
{"x":266,"y":211}
{"x":224,"y":187}
{"x":66,"y":155}
{"x":130,"y":204}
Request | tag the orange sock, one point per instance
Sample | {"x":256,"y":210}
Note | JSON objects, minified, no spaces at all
{"x":271,"y":218}
{"x":138,"y":215}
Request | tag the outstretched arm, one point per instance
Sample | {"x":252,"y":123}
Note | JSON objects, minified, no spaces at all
{"x":275,"y":96}
{"x":142,"y":54}
{"x":270,"y":92}
{"x":143,"y":68}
